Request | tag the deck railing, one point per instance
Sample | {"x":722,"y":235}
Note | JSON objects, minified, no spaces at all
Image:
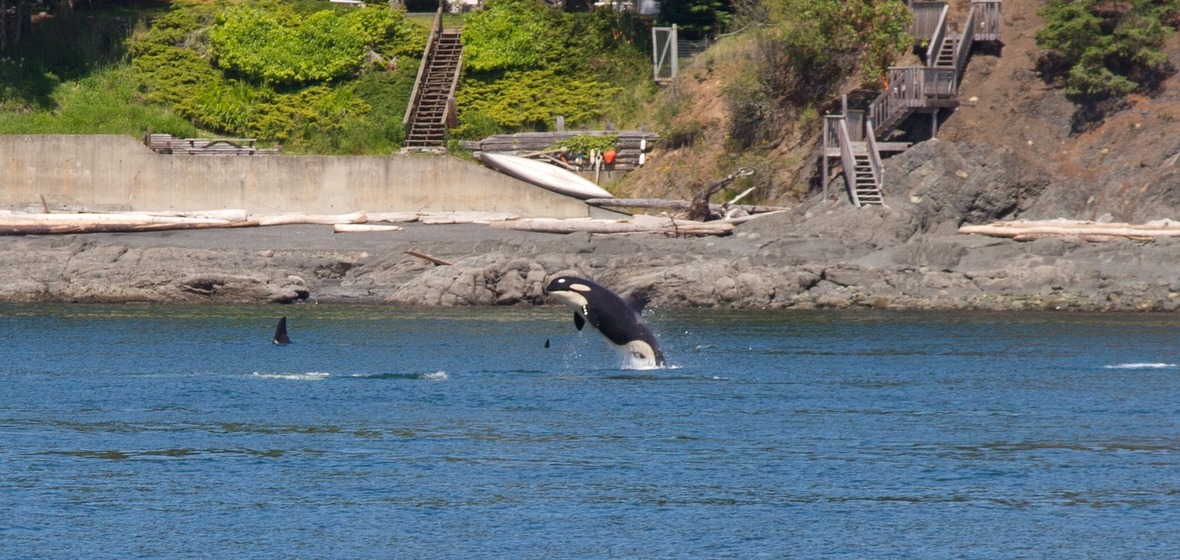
{"x":987,"y":24}
{"x":874,"y":154}
{"x":856,"y":125}
{"x":831,"y":135}
{"x":926,"y":16}
{"x":938,"y":83}
{"x":904,"y":93}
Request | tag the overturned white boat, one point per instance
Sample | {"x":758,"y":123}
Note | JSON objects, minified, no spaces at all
{"x":544,"y":175}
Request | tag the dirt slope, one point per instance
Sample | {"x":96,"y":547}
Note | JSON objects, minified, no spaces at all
{"x":1117,"y":168}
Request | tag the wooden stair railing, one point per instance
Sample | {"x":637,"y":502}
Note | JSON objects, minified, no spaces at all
{"x":435,"y":28}
{"x":432,"y":103}
{"x":860,"y":158}
{"x":938,"y":41}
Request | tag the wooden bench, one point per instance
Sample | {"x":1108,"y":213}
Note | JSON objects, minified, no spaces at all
{"x":168,"y":144}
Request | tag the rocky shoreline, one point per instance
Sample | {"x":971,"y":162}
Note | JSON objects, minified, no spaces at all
{"x":768,"y":264}
{"x":823,"y":254}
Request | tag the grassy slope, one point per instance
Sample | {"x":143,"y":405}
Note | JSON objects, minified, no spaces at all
{"x":105,"y":101}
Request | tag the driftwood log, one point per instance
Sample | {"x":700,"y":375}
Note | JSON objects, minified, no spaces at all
{"x":437,"y":261}
{"x":14,"y":223}
{"x":1072,"y":229}
{"x":364,"y":228}
{"x":301,"y":218}
{"x":464,"y":217}
{"x":38,"y":224}
{"x":110,"y":227}
{"x":393,"y":217}
{"x":675,"y":205}
{"x":636,"y":224}
{"x":700,"y":210}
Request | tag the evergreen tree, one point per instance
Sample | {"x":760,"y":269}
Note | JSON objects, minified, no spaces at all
{"x":696,"y":19}
{"x":1106,"y":49}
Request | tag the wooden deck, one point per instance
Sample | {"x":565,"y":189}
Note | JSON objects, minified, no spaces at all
{"x":631,"y":146}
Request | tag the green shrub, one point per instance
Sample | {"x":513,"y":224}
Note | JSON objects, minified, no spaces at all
{"x":682,"y":135}
{"x":1101,"y":50}
{"x":282,"y":75}
{"x":26,"y":86}
{"x":696,"y":18}
{"x":804,"y":56}
{"x":507,"y":35}
{"x":104,"y":102}
{"x":864,"y":36}
{"x":526,"y":64}
{"x":277,"y":46}
{"x":533,"y":99}
{"x":387,"y":95}
{"x":474,"y":125}
{"x":584,"y":144}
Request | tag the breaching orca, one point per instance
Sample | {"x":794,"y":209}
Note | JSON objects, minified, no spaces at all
{"x":621,"y":322}
{"x":281,"y":332}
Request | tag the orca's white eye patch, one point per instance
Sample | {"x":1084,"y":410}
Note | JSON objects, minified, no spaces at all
{"x":580,"y":287}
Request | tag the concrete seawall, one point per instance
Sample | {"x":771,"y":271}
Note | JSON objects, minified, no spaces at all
{"x":115,"y":172}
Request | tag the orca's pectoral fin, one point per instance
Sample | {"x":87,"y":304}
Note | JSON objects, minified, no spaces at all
{"x":579,"y":322}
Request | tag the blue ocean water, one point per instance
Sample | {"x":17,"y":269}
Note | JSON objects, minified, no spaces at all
{"x":182,"y":432}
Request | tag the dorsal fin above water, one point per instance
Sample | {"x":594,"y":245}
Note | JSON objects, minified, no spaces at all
{"x":638,"y":301}
{"x":281,"y":332}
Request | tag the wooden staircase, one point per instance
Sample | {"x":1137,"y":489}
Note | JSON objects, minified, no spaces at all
{"x":432,"y":104}
{"x":866,"y":189}
{"x":945,"y":57}
{"x":857,"y":137}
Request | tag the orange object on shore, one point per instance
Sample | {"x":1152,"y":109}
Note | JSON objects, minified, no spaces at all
{"x":609,"y":156}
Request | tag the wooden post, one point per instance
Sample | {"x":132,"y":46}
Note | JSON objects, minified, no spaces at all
{"x":675,"y":39}
{"x":823,"y":156}
{"x":655,"y":57}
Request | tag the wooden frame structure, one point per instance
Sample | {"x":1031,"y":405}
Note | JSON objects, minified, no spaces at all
{"x":665,"y":54}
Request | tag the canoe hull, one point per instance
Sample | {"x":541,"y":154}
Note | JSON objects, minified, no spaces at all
{"x":545,"y":176}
